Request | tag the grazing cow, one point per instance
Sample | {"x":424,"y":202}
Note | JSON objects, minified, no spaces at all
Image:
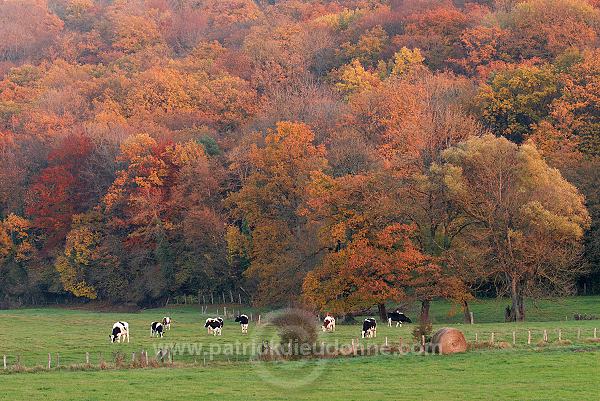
{"x":156,"y":329}
{"x":243,"y":321}
{"x":397,"y":317}
{"x":329,"y":323}
{"x":167,"y":322}
{"x":369,"y":328}
{"x":120,"y":332}
{"x":214,"y":326}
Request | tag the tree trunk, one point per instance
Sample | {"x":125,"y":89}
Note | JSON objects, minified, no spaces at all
{"x":521,"y":311}
{"x":425,"y":310}
{"x":516,"y":295}
{"x":382,"y":312}
{"x":467,"y":312}
{"x":514,"y":298}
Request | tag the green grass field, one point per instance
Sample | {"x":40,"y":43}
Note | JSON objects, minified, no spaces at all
{"x":522,"y":372}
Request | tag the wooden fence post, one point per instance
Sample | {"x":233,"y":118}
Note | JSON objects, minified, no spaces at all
{"x":87,"y":358}
{"x":559,"y":335}
{"x":528,"y":337}
{"x":240,"y":298}
{"x":471,"y":318}
{"x":595,"y":333}
{"x":57,"y":360}
{"x":258,"y":320}
{"x":492,"y":338}
{"x":386,"y":343}
{"x":133,"y":357}
{"x":49,"y":360}
{"x":4,"y":362}
{"x":514,"y":337}
{"x":353,"y":348}
{"x":545,"y":335}
{"x":476,"y":338}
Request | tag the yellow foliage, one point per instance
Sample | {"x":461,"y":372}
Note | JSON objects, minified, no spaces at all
{"x":354,"y":78}
{"x":406,"y":60}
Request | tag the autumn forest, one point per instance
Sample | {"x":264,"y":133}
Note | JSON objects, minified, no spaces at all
{"x":341,"y":154}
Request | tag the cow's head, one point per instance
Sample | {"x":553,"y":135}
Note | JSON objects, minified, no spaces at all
{"x":238,"y":319}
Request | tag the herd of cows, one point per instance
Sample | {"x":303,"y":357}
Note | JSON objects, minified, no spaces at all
{"x":214,"y":326}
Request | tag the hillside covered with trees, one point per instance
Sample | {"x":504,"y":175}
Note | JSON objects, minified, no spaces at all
{"x":338,"y":153}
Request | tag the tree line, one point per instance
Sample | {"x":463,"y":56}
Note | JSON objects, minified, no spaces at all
{"x":338,"y":154}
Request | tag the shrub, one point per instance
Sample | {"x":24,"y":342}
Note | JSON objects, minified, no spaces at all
{"x":296,"y":327}
{"x":424,"y":328}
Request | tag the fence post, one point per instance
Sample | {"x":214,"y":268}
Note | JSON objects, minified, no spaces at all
{"x":49,"y":360}
{"x":422,"y":343}
{"x":476,"y":338}
{"x":353,"y":348}
{"x":595,"y":333}
{"x":240,"y":298}
{"x":559,"y":335}
{"x":545,"y":335}
{"x":514,"y":337}
{"x":57,"y":360}
{"x":258,"y":320}
{"x":401,"y":345}
{"x":133,"y":357}
{"x":528,"y":337}
{"x":87,"y":358}
{"x":386,"y":343}
{"x":4,"y":362}
{"x":471,"y":317}
{"x":492,"y":338}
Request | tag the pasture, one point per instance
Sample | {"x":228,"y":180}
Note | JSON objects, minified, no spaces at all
{"x":216,"y":368}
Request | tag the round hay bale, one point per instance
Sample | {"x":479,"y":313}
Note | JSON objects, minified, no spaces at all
{"x":449,"y":341}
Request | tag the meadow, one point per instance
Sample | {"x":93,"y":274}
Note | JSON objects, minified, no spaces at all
{"x":522,"y":371}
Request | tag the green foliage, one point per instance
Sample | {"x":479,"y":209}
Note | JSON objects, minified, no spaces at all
{"x":514,"y":100}
{"x":211,"y":147}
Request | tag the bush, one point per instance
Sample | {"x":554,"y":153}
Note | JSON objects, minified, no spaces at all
{"x":424,"y":328}
{"x":296,"y":327}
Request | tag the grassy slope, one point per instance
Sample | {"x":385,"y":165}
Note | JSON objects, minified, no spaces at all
{"x":525,"y":371}
{"x":33,"y":333}
{"x":493,"y":375}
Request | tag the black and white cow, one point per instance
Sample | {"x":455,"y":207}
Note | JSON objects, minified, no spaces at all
{"x":243,"y":321}
{"x":157,"y":329}
{"x":214,"y":325}
{"x":329,"y":323}
{"x":369,"y":328}
{"x":397,"y":317}
{"x":120,"y":332}
{"x":167,"y":322}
